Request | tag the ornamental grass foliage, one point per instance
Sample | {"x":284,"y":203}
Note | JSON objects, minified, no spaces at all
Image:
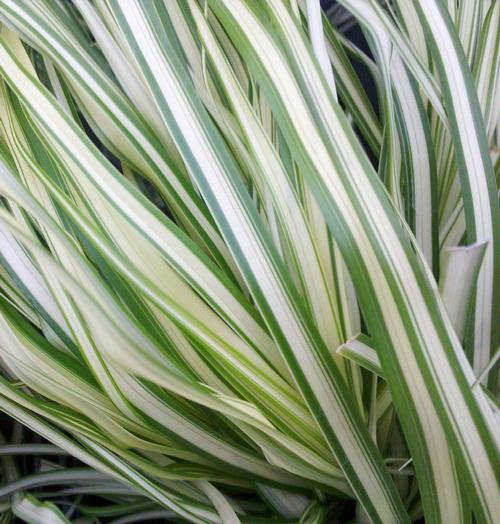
{"x":232,"y":290}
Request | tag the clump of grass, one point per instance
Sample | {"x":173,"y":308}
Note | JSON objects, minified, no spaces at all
{"x":230,"y":288}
